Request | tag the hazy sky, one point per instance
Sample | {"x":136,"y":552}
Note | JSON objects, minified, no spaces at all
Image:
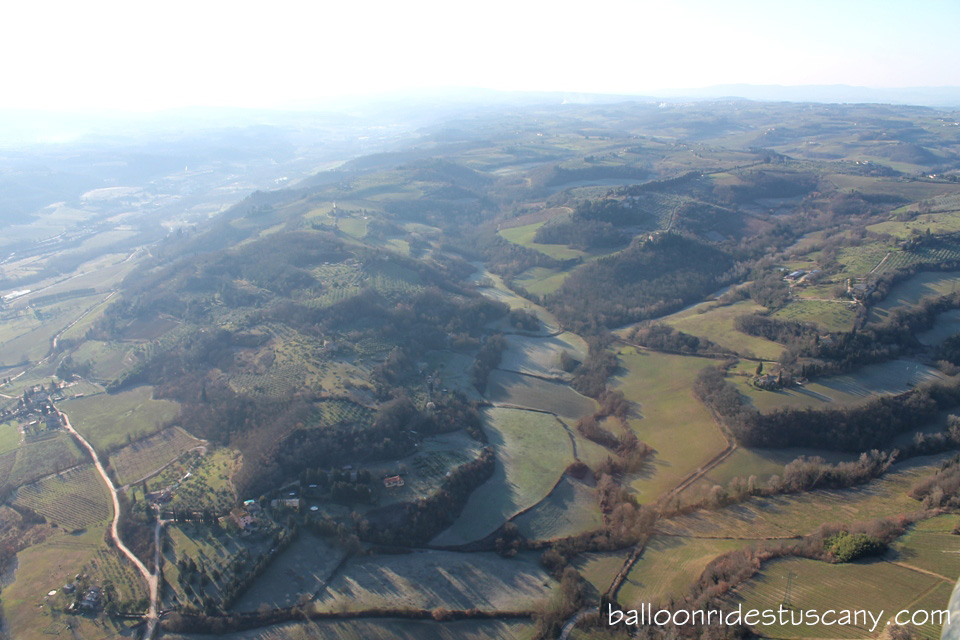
{"x":144,"y":55}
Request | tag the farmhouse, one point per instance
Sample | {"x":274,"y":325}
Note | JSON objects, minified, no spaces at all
{"x":91,"y":600}
{"x":393,"y":481}
{"x":767,"y":382}
{"x":243,"y":519}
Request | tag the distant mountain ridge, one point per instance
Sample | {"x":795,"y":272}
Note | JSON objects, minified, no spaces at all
{"x":832,"y":93}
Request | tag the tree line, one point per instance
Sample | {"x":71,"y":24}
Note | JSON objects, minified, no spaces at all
{"x":860,"y":428}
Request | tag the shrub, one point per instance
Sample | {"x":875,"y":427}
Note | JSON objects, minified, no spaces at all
{"x":846,"y":547}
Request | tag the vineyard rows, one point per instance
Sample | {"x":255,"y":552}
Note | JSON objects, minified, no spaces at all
{"x":926,"y":255}
{"x":339,"y":410}
{"x":7,"y":461}
{"x":142,"y":458}
{"x":111,"y":569}
{"x":74,"y":499}
{"x":436,"y":465}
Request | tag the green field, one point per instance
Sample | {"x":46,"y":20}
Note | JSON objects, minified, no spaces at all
{"x":113,"y":420}
{"x":524,"y":236}
{"x":909,"y":292}
{"x":668,"y":417}
{"x":599,"y":569}
{"x":533,"y":450}
{"x":74,"y":499}
{"x":764,"y":463}
{"x":930,"y":545}
{"x":455,"y":369}
{"x":541,"y":356}
{"x":716,"y":323}
{"x":79,"y":330}
{"x":9,"y":437}
{"x":293,"y":576}
{"x":107,"y":360}
{"x":356,"y":227}
{"x":431,"y":579}
{"x":510,"y":388}
{"x":668,"y":568}
{"x":893,"y":377}
{"x":938,"y":223}
{"x":140,"y":459}
{"x":877,"y":586}
{"x":492,"y":286}
{"x":570,"y":509}
{"x":541,"y":281}
{"x":799,"y":514}
{"x":829,"y":315}
{"x":37,"y":459}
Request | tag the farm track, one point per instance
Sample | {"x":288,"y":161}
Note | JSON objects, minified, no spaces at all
{"x":698,"y":474}
{"x":919,"y":570}
{"x":925,"y":593}
{"x":538,"y":376}
{"x":882,"y":262}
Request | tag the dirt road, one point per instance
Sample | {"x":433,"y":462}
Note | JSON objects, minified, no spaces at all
{"x":152,"y":582}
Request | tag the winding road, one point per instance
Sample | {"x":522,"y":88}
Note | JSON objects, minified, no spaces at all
{"x":151,"y":578}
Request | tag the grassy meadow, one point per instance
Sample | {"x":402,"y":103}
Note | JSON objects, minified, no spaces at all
{"x":431,"y":579}
{"x":668,"y":417}
{"x":799,"y":514}
{"x":533,"y":450}
{"x":506,"y":387}
{"x":570,"y":509}
{"x":716,"y":323}
{"x":668,"y":568}
{"x":112,"y":420}
{"x":877,"y":586}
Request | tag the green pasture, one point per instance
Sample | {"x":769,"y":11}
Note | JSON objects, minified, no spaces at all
{"x":112,"y":420}
{"x":716,"y":323}
{"x":432,"y":579}
{"x":532,"y":450}
{"x":667,"y":417}
{"x":570,"y":509}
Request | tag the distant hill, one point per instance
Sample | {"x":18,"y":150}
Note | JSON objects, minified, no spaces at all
{"x":835,"y":93}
